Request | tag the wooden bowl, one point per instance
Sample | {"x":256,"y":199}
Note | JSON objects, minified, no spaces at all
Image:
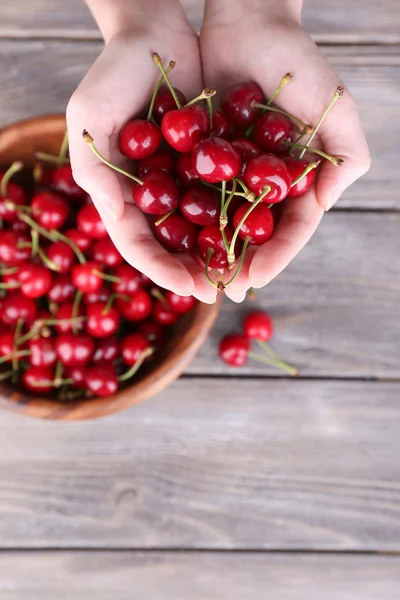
{"x":19,"y":142}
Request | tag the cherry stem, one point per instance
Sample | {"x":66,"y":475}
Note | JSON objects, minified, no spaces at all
{"x":283,"y":83}
{"x":9,"y":271}
{"x":309,"y":167}
{"x":251,"y":294}
{"x":240,"y":265}
{"x":111,"y":300}
{"x":135,"y":368}
{"x":89,"y":140}
{"x":17,"y":207}
{"x":160,"y":296}
{"x":6,"y":375}
{"x":275,"y":363}
{"x":225,"y":240}
{"x":338,"y":94}
{"x":67,"y":321}
{"x":17,"y":334}
{"x":44,"y":156}
{"x":15,"y":168}
{"x":206,"y":94}
{"x":210,"y":252}
{"x":223,"y":192}
{"x":55,"y":383}
{"x":307,"y":129}
{"x":13,"y":285}
{"x":293,"y":118}
{"x":75,"y":309}
{"x":50,"y":264}
{"x":157,"y":89}
{"x":210,"y":111}
{"x":19,"y":353}
{"x":250,"y":196}
{"x":158,"y":61}
{"x":35,"y":242}
{"x":335,"y":160}
{"x":67,"y":394}
{"x":164,"y":217}
{"x":106,"y":276}
{"x":223,"y":217}
{"x":63,"y":149}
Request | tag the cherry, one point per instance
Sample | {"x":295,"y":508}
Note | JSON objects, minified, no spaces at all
{"x":258,"y":325}
{"x":101,"y":380}
{"x":215,"y":160}
{"x":20,"y":226}
{"x":102,"y":321}
{"x":184,"y":127}
{"x":50,"y":210}
{"x":234,"y":349}
{"x":154,"y":332}
{"x":80,"y":239}
{"x":130,"y":279}
{"x":62,"y":255}
{"x":268,"y":170}
{"x":157,"y":195}
{"x":43,"y":353}
{"x":185,"y":172}
{"x":62,"y":289}
{"x":137,"y":307}
{"x":106,"y":253}
{"x":7,"y":343}
{"x":165,"y":102}
{"x":12,"y":280}
{"x":164,"y":315}
{"x":259,"y":224}
{"x":78,"y":375}
{"x":107,"y":350}
{"x":8,"y":204}
{"x":180,"y":304}
{"x":38,"y":380}
{"x":11,"y":252}
{"x":85,"y":277}
{"x":211,"y":237}
{"x":88,"y":220}
{"x":220,"y":124}
{"x":139,"y":138}
{"x":74,"y":350}
{"x":132,"y":347}
{"x":237,"y":103}
{"x":144,"y":280}
{"x":102,"y":295}
{"x":176,"y":234}
{"x":35,"y":280}
{"x":200,"y":205}
{"x":296,"y":168}
{"x":271,"y":130}
{"x":246,"y":150}
{"x":63,"y":181}
{"x":64,"y":314}
{"x":163,"y":160}
{"x":17,"y":307}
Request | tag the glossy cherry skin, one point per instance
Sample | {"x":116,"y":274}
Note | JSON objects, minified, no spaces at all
{"x":50,"y":210}
{"x":158,"y":195}
{"x":85,"y":278}
{"x":271,"y":130}
{"x":43,"y":353}
{"x":296,"y":168}
{"x":7,"y":344}
{"x":62,"y":255}
{"x":185,"y":172}
{"x":180,"y":304}
{"x":165,"y":102}
{"x":258,"y":325}
{"x":74,"y":350}
{"x":130,"y":279}
{"x":176,"y":233}
{"x":163,"y":160}
{"x":246,"y":150}
{"x":107,"y":350}
{"x":102,"y":321}
{"x":259,"y":225}
{"x":36,"y":280}
{"x":62,"y":289}
{"x":237,"y":103}
{"x":39,"y":380}
{"x":105,"y":252}
{"x":80,"y":239}
{"x":137,"y":307}
{"x":101,"y":380}
{"x":267,"y":169}
{"x":132,"y":347}
{"x":78,"y":374}
{"x":65,"y":311}
{"x":220,"y":124}
{"x":200,"y":205}
{"x":215,"y":160}
{"x":88,"y":220}
{"x":211,"y":237}
{"x":11,"y":253}
{"x":234,"y":349}
{"x":183,"y":128}
{"x":17,"y":196}
{"x":63,"y":181}
{"x":139,"y":138}
{"x":154,"y":332}
{"x":164,"y":315}
{"x":17,"y":307}
{"x":20,"y":227}
{"x":101,"y":295}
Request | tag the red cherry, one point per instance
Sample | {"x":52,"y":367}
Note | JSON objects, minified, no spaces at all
{"x":176,"y":234}
{"x":38,"y":380}
{"x":106,"y":253}
{"x":180,"y":304}
{"x":163,"y":160}
{"x":259,"y":225}
{"x":137,"y":308}
{"x":64,"y":314}
{"x":12,"y":279}
{"x":163,"y":315}
{"x":15,"y":306}
{"x":132,"y":347}
{"x":89,"y":221}
{"x":139,"y":138}
{"x":63,"y":181}
{"x":267,"y":169}
{"x":296,"y":168}
{"x":43,"y":353}
{"x":80,"y":239}
{"x":144,"y":280}
{"x":234,"y":349}
{"x":35,"y":280}
{"x":154,"y":333}
{"x":62,"y":289}
{"x":101,"y":380}
{"x":165,"y":102}
{"x":107,"y":350}
{"x":258,"y":325}
{"x":50,"y":210}
{"x":102,"y":295}
{"x":215,"y":160}
{"x":183,"y":128}
{"x":220,"y":124}
{"x":271,"y":130}
{"x":102,"y":321}
{"x":158,"y":195}
{"x":11,"y":253}
{"x":84,"y":277}
{"x":130,"y":279}
{"x":62,"y":255}
{"x":237,"y":103}
{"x":246,"y":150}
{"x":17,"y":196}
{"x":20,"y":226}
{"x":211,"y":237}
{"x":78,"y":374}
{"x":185,"y":172}
{"x":7,"y":343}
{"x":200,"y":205}
{"x":74,"y":350}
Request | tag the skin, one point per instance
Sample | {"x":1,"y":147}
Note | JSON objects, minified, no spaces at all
{"x":272,"y":42}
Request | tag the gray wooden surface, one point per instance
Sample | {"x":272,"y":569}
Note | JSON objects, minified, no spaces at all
{"x":231,"y":484}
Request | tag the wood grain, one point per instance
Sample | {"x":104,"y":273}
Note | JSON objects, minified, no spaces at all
{"x":39,"y":77}
{"x":342,"y":21}
{"x":212,"y":464}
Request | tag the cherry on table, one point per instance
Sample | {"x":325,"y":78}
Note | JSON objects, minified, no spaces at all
{"x":107,"y":350}
{"x":49,"y":210}
{"x":11,"y":252}
{"x":268,"y":170}
{"x":237,"y":103}
{"x":296,"y":168}
{"x":62,"y":255}
{"x":39,"y":380}
{"x":258,"y":226}
{"x":163,"y":160}
{"x":43,"y":353}
{"x":139,"y":138}
{"x":184,"y":127}
{"x":246,"y":149}
{"x":180,"y":304}
{"x":176,"y":234}
{"x":258,"y":325}
{"x":200,"y":205}
{"x":80,"y":239}
{"x":137,"y":307}
{"x":164,"y":315}
{"x":154,"y":332}
{"x":132,"y":347}
{"x":185,"y":172}
{"x":101,"y":380}
{"x":62,"y":289}
{"x":16,"y":307}
{"x":234,"y":349}
{"x":102,"y":320}
{"x":130,"y":279}
{"x":74,"y":350}
{"x":271,"y":131}
{"x":165,"y":102}
{"x":214,"y":160}
{"x":36,"y":280}
{"x":158,"y":194}
{"x":64,"y":314}
{"x":63,"y":181}
{"x":89,"y":221}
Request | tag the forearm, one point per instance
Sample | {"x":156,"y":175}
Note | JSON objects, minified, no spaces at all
{"x":237,"y":9}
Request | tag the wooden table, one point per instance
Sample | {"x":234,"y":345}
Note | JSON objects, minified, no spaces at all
{"x":231,"y":484}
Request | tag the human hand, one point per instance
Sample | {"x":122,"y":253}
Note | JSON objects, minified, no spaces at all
{"x":261,"y":40}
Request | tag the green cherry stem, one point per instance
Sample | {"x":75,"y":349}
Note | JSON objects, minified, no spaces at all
{"x":35,"y":242}
{"x":20,"y":354}
{"x":164,"y":217}
{"x":335,"y":160}
{"x":44,"y":156}
{"x":309,"y":167}
{"x":240,"y":265}
{"x":112,"y":299}
{"x":135,"y":368}
{"x":223,"y":193}
{"x":75,"y":309}
{"x":206,"y":94}
{"x":158,"y":61}
{"x":15,"y":168}
{"x":90,"y":142}
{"x":218,"y":285}
{"x":250,"y":196}
{"x":17,"y":335}
{"x":6,"y":375}
{"x":293,"y":118}
{"x":223,"y":217}
{"x":225,"y":240}
{"x":210,"y":111}
{"x":106,"y":276}
{"x":275,"y":357}
{"x":160,"y":296}
{"x":9,"y":271}
{"x":283,"y":83}
{"x":274,"y":363}
{"x":63,"y":150}
{"x":157,"y":89}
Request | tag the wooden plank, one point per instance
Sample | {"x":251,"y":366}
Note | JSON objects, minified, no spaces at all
{"x":342,"y":21}
{"x":212,"y":464}
{"x":39,"y":77}
{"x":164,"y":576}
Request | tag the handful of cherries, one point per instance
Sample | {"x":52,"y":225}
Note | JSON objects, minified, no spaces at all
{"x":209,"y":180}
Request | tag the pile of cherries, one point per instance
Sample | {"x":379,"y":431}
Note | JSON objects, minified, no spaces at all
{"x":208,"y":179}
{"x":75,"y":318}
